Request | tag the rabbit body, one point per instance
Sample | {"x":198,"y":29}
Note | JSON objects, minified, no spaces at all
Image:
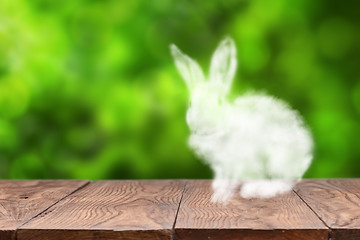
{"x":256,"y":127}
{"x":255,"y":137}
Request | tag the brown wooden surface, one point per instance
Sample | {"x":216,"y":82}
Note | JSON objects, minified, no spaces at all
{"x":131,"y":210}
{"x":283,"y":217}
{"x":110,"y":210}
{"x":22,"y":200}
{"x":336,"y":202}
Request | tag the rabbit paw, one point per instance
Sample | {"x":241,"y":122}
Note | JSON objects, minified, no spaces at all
{"x":223,"y":190}
{"x":265,"y":188}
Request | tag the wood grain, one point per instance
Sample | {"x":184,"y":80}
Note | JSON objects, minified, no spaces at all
{"x":284,"y":217}
{"x":110,"y":210}
{"x":22,"y":200}
{"x":336,"y":202}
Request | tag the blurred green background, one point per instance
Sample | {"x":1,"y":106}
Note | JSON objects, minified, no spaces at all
{"x":88,"y":89}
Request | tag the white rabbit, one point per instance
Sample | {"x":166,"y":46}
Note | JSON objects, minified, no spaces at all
{"x":255,"y":137}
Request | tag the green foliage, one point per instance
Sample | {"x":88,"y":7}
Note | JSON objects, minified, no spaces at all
{"x":88,"y":88}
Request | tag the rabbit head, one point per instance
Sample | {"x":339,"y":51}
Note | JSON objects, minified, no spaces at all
{"x":207,"y":111}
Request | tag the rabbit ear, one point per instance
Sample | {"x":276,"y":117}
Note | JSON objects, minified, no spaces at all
{"x":188,"y":68}
{"x":223,"y":65}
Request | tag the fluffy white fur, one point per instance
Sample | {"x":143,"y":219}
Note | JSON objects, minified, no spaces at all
{"x":255,"y":137}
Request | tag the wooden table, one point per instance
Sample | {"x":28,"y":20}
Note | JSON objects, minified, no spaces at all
{"x":175,"y":209}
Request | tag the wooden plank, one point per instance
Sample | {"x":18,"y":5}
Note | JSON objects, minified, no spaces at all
{"x":283,"y":217}
{"x":22,"y":200}
{"x":336,"y":202}
{"x":111,"y":210}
